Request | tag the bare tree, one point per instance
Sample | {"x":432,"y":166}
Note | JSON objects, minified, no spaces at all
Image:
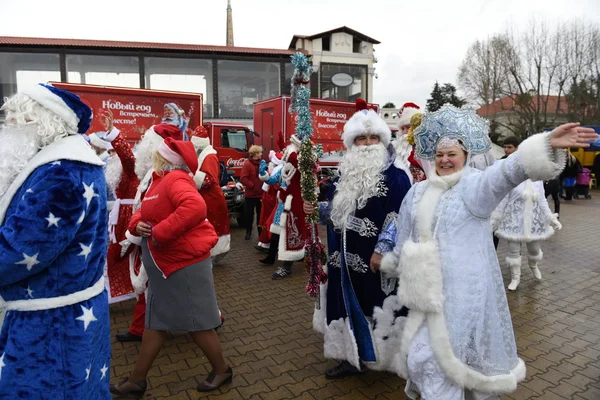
{"x":527,"y":76}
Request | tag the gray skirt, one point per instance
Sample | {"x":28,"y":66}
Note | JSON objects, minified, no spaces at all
{"x":185,"y":301}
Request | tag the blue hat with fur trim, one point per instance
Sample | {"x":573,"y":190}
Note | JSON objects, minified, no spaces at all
{"x":66,"y":105}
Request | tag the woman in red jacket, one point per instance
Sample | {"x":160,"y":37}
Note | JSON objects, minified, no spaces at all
{"x":253,"y":189}
{"x":177,"y":239}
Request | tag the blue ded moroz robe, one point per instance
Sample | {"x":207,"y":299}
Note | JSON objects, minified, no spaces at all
{"x":353,"y":293}
{"x":55,"y":338}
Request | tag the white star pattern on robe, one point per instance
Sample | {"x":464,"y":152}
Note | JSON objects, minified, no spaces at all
{"x":81,"y":218}
{"x":29,"y":292}
{"x":29,"y":191}
{"x":87,"y":317}
{"x":85,"y":250}
{"x":52,"y":220}
{"x":30,"y":261}
{"x":55,"y":163}
{"x":89,"y":193}
{"x":2,"y":365}
{"x":103,"y":370}
{"x":87,"y":372}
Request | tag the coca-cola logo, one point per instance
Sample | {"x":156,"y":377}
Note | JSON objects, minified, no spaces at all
{"x":236,"y":163}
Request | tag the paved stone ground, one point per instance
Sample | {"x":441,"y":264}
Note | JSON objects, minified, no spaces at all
{"x":268,"y":340}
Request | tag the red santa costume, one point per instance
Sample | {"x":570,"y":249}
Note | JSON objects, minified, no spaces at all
{"x":123,"y":182}
{"x":292,"y":222}
{"x":269,"y":197}
{"x":207,"y":182}
{"x":152,"y":138}
{"x":405,"y":152}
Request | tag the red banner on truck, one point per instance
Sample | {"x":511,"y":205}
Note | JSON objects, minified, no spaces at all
{"x":134,"y":110}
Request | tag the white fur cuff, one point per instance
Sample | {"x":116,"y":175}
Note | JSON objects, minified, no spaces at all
{"x":199,"y":179}
{"x":112,"y":135}
{"x":539,"y":160}
{"x":389,"y":265}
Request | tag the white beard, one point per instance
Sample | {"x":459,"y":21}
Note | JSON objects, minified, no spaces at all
{"x":113,"y":172}
{"x":360,"y":172}
{"x":19,"y":145}
{"x":145,"y":152}
{"x":403,"y":150}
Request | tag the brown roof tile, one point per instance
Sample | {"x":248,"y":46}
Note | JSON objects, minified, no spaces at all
{"x":47,"y":42}
{"x":507,"y":104}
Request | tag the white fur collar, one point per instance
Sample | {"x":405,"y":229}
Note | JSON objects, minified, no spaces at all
{"x":444,"y":182}
{"x":208,"y":150}
{"x":73,"y":148}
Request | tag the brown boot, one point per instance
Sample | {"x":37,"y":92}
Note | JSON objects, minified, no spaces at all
{"x":214,"y":381}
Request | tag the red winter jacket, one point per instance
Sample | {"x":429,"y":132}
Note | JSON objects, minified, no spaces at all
{"x":177,"y":214}
{"x":250,"y":179}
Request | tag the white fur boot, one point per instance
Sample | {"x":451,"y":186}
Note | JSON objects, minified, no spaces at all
{"x":515,"y":272}
{"x":533,"y":264}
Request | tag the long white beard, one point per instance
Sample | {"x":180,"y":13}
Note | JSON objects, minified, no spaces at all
{"x":403,"y":150}
{"x":145,"y":152}
{"x":113,"y":172}
{"x":360,"y":170}
{"x":19,"y":145}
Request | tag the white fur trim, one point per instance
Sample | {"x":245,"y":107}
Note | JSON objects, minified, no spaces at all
{"x":387,"y":335}
{"x":208,"y":150}
{"x":413,"y":323}
{"x":406,"y":115}
{"x":112,"y":135}
{"x":296,"y":140}
{"x":390,"y":264}
{"x":139,"y":281}
{"x":460,"y":373}
{"x":170,"y":155}
{"x":54,"y":302}
{"x":421,"y":284}
{"x":223,"y":245}
{"x":320,"y":315}
{"x":199,"y":179}
{"x":73,"y":148}
{"x":366,"y":123}
{"x":539,"y":160}
{"x":538,"y":257}
{"x":96,"y":141}
{"x":53,"y":103}
{"x":339,"y":342}
{"x":288,"y":203}
{"x":527,"y":238}
{"x":137,"y":240}
{"x":513,"y":262}
{"x":275,"y":229}
{"x":200,"y":143}
{"x":287,"y":255}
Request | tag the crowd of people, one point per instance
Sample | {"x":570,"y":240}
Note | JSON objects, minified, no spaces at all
{"x":413,"y":280}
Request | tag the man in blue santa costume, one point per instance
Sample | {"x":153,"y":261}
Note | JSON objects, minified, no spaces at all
{"x":366,"y":197}
{"x":55,"y":340}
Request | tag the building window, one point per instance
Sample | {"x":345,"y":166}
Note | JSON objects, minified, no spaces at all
{"x":287,"y":84}
{"x":343,"y":82}
{"x":242,"y":83}
{"x":182,"y":75}
{"x":356,"y":45}
{"x":20,"y":70}
{"x":326,"y":43}
{"x":104,"y":70}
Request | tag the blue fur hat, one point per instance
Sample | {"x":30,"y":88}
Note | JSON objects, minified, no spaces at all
{"x":66,"y":105}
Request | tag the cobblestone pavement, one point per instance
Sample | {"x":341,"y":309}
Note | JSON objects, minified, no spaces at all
{"x":268,"y":340}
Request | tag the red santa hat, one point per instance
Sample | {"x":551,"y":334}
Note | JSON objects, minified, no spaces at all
{"x":165,"y":131}
{"x":406,"y":113}
{"x":365,"y":121}
{"x":200,"y":138}
{"x":178,"y":152}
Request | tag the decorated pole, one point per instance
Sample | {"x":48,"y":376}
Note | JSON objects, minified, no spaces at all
{"x":315,"y":255}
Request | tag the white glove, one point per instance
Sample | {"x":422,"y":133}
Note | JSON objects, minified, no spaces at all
{"x":555,"y":223}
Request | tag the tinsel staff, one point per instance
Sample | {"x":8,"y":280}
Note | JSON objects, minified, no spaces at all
{"x":315,"y":256}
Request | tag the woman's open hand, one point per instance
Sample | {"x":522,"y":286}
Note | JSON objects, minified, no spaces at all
{"x":572,"y":135}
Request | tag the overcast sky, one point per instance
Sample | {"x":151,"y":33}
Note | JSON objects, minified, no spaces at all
{"x":421,"y":40}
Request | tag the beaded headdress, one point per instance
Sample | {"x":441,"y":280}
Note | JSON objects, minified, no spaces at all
{"x":450,"y":122}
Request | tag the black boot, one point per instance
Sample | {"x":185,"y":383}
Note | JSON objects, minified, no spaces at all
{"x":273,"y":250}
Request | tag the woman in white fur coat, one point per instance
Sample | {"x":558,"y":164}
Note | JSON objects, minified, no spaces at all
{"x":458,"y":339}
{"x":525,"y":217}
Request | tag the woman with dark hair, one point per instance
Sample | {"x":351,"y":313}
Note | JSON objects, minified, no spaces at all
{"x":569,"y":176}
{"x":176,"y":243}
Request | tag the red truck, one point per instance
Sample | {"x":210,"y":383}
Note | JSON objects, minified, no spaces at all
{"x":329,"y":116}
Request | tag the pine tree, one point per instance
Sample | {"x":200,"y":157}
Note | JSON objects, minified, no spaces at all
{"x":389,"y":104}
{"x":437,"y":99}
{"x":449,"y":94}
